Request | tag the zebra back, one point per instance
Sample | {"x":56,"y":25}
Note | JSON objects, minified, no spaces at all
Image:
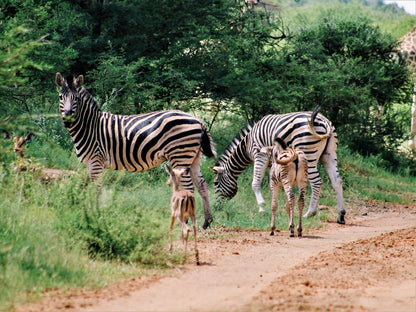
{"x":293,"y":129}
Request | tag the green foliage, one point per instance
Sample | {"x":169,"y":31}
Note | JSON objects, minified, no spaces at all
{"x":31,"y":260}
{"x":111,"y":223}
{"x":345,"y":66}
{"x":14,"y":47}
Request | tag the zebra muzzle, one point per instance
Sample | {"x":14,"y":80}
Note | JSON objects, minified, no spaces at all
{"x":68,"y":116}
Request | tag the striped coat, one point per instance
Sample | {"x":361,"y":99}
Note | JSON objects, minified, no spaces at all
{"x":134,"y":142}
{"x":308,"y":131}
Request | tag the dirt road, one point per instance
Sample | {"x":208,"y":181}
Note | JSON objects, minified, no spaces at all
{"x":366,"y":265}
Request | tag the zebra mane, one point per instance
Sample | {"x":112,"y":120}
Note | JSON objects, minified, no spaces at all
{"x":234,"y":143}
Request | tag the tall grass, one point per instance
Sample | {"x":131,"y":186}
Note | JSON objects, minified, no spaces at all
{"x":67,"y":234}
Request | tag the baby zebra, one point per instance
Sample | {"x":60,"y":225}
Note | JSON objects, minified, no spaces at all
{"x":289,"y":167}
{"x":182,"y":205}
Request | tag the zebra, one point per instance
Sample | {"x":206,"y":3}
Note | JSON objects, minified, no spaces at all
{"x":134,"y":142}
{"x":289,"y":168}
{"x":296,"y":130}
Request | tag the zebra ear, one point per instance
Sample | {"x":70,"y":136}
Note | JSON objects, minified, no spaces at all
{"x":59,"y":80}
{"x":78,"y":82}
{"x":217,"y":169}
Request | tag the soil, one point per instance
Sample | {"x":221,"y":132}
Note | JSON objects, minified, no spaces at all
{"x":366,"y":265}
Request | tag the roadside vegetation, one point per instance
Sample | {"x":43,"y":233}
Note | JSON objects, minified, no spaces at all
{"x":65,"y":233}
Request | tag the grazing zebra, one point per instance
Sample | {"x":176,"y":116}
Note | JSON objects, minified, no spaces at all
{"x":135,"y":142}
{"x":296,"y":130}
{"x":289,"y":168}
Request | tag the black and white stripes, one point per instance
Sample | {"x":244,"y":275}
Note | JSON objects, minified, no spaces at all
{"x":135,"y":142}
{"x":308,"y":131}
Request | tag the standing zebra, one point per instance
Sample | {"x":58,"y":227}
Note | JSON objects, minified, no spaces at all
{"x":134,"y":142}
{"x":296,"y":130}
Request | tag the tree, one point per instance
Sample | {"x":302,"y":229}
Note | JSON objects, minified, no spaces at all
{"x":346,"y":67}
{"x":14,"y":62}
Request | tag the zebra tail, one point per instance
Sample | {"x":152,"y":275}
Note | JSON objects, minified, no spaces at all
{"x":312,"y":121}
{"x":314,"y":113}
{"x":207,"y":144}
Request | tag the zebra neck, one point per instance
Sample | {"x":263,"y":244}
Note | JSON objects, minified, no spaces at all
{"x":238,"y":159}
{"x":87,"y":120}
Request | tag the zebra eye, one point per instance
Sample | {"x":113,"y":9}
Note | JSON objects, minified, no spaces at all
{"x":61,"y":97}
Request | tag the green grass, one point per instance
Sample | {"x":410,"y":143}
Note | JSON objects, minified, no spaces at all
{"x":66,"y":234}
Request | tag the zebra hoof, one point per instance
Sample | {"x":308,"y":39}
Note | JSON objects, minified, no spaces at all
{"x":271,"y":233}
{"x":309,"y":214}
{"x":341,"y":219}
{"x":292,"y":234}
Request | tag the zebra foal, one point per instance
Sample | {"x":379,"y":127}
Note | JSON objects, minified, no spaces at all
{"x":182,"y":206}
{"x":289,"y":168}
{"x":134,"y":142}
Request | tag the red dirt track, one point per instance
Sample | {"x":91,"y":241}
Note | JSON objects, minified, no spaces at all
{"x":366,"y":265}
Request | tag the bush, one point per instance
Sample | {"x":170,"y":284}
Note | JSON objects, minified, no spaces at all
{"x":345,"y":66}
{"x":112,"y":223}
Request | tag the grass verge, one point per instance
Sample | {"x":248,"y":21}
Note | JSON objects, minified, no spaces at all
{"x":65,"y":234}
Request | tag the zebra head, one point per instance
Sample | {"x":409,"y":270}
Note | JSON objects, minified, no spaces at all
{"x":225,"y":185}
{"x":68,"y":97}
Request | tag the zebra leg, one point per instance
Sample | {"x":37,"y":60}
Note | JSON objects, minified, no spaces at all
{"x":196,"y":248}
{"x":185,"y":232}
{"x":336,"y":181}
{"x":316,"y":184}
{"x":301,"y":204}
{"x":275,"y":192}
{"x":202,"y":187}
{"x":329,"y":160}
{"x":172,"y":222}
{"x":261,"y":160}
{"x":290,"y":207}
